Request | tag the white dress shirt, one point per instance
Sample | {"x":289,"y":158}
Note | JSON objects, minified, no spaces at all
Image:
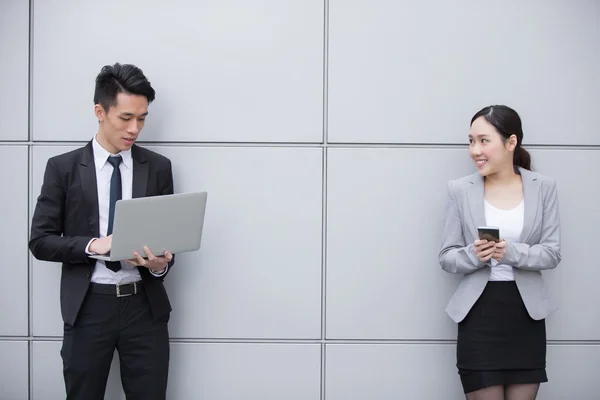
{"x":128,"y":273}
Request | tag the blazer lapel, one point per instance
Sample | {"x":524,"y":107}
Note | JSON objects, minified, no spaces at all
{"x":475,"y":194}
{"x":87,"y":174}
{"x":140,"y":173}
{"x":531,"y":193}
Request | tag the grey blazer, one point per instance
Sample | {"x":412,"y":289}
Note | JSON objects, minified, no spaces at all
{"x":538,"y":248}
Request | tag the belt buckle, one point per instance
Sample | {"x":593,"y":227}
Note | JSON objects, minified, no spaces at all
{"x":119,"y":294}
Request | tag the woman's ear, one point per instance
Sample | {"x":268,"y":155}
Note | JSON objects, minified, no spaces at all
{"x":512,"y":142}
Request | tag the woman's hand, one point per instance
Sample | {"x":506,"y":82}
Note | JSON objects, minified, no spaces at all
{"x":499,"y":251}
{"x":484,"y":250}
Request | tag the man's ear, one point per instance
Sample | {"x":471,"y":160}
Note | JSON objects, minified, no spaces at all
{"x":99,"y":112}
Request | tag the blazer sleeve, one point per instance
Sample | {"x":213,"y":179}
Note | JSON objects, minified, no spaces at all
{"x":545,"y":254}
{"x":46,"y":241}
{"x":455,"y":256}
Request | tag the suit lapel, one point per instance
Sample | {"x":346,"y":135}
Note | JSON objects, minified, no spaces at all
{"x":531,"y":192}
{"x":87,"y":173}
{"x":140,"y":173}
{"x":475,"y":194}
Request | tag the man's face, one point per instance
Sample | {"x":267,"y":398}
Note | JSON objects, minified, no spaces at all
{"x":121,"y":125}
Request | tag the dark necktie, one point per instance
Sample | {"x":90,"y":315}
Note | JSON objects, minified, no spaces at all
{"x":115,"y":194}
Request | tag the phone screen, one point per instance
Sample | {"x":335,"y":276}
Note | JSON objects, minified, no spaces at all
{"x":489,"y":233}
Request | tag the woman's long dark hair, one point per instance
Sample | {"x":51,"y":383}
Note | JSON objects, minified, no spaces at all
{"x":507,"y":122}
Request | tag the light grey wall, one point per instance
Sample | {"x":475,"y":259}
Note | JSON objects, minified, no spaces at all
{"x":325,"y":132}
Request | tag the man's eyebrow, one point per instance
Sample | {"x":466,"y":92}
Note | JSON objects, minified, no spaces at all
{"x":129,"y":114}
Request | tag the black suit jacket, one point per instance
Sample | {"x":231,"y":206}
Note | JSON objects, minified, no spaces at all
{"x":66,"y":218}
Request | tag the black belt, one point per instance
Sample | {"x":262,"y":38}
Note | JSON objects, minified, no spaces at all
{"x":126,"y":289}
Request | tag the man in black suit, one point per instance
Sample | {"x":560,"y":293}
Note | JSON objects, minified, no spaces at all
{"x":107,"y":305}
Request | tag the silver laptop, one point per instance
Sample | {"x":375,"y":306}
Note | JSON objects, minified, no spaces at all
{"x":170,"y":222}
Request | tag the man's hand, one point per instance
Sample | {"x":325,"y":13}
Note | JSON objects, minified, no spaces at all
{"x":499,"y":251}
{"x":101,"y":246}
{"x":153,"y":263}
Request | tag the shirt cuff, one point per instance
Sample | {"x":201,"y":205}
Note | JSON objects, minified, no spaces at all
{"x":87,"y":248}
{"x":160,"y":273}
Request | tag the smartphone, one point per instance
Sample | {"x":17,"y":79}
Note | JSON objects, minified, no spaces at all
{"x":489,"y":233}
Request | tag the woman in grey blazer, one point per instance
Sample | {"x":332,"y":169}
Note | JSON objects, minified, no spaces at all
{"x":501,"y":303}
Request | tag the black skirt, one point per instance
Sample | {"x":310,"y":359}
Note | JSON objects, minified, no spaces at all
{"x":499,"y":343}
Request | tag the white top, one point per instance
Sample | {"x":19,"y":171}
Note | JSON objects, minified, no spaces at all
{"x":510,"y":223}
{"x":128,"y":273}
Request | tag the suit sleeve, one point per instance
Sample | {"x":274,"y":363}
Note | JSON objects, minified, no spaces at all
{"x":167,"y":187}
{"x":545,"y":254}
{"x":46,"y":240}
{"x":455,"y":256}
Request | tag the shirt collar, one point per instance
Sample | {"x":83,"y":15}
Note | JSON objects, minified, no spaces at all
{"x":101,"y":155}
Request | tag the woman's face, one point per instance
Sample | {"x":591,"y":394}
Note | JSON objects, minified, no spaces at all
{"x":488,"y":149}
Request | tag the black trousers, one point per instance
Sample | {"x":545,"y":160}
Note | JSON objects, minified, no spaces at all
{"x":105,"y":323}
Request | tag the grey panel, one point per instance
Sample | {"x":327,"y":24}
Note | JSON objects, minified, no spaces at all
{"x":572,"y":373}
{"x":576,"y":277}
{"x":206,"y":371}
{"x":415,"y":72}
{"x":258,"y":272}
{"x":14,"y":288}
{"x":45,"y":298}
{"x":233,"y":70}
{"x":228,"y":371}
{"x":14,"y":370}
{"x":48,"y":382}
{"x":243,"y":282}
{"x":397,"y":371}
{"x":384,"y":219}
{"x":391,"y":371}
{"x":14,"y":69}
